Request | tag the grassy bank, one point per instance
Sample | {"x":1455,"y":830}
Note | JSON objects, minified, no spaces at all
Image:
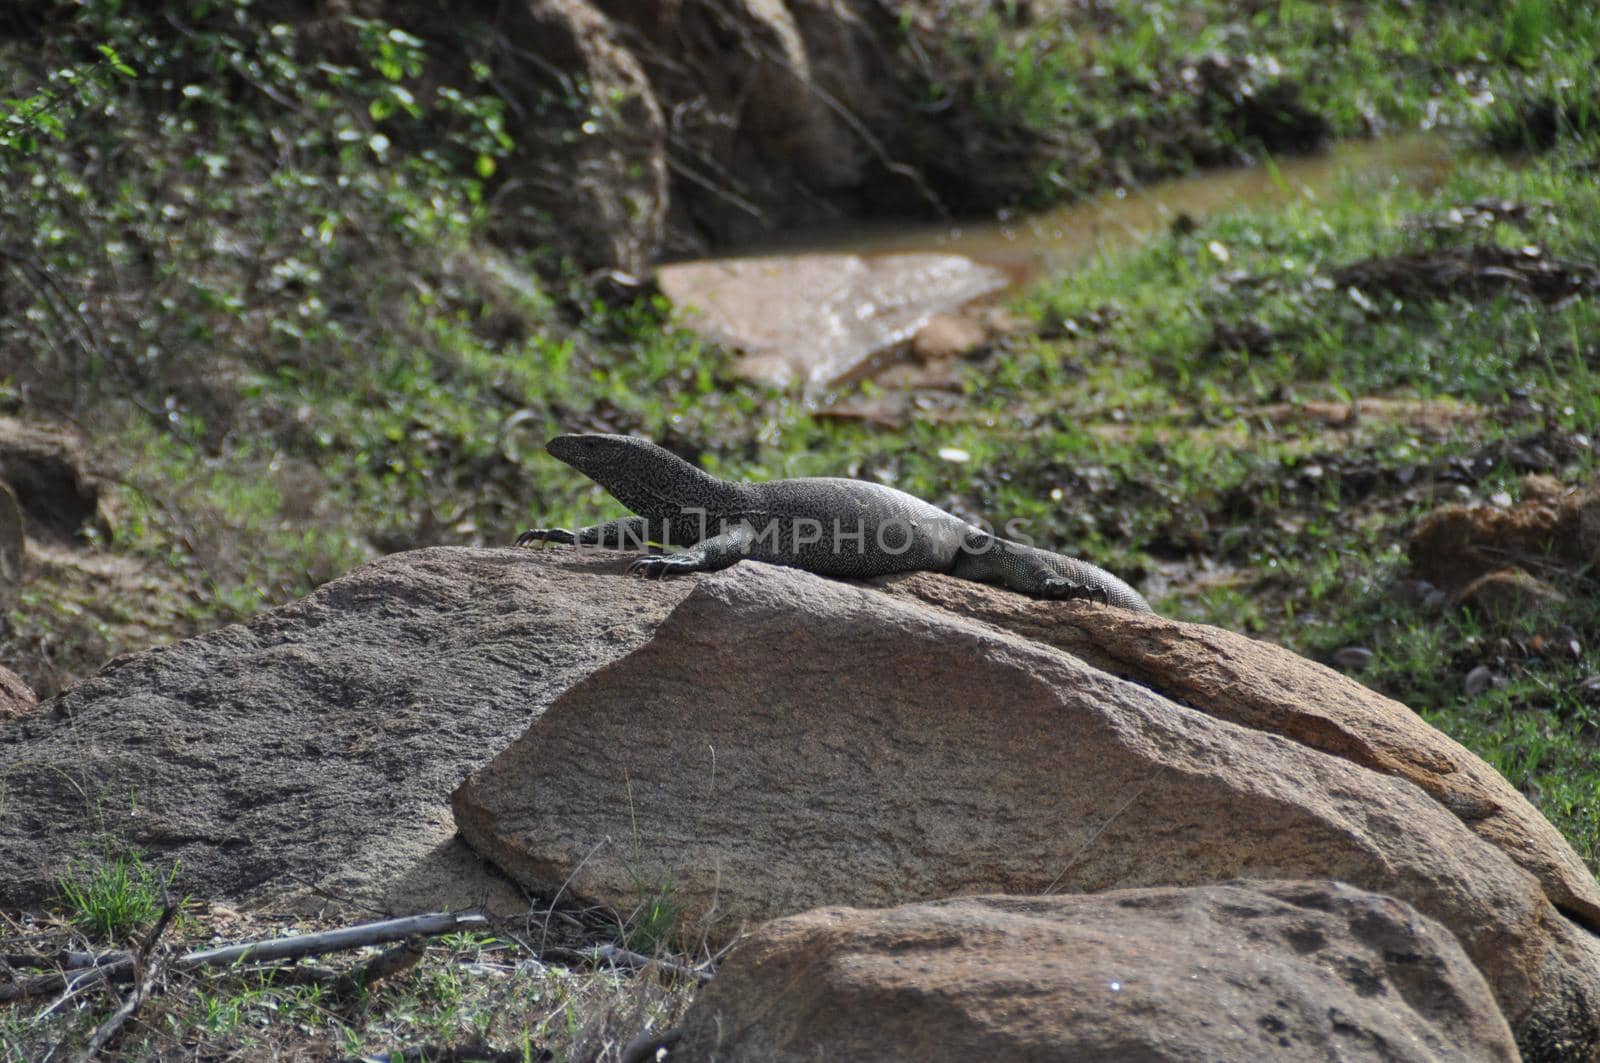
{"x":270,"y":285}
{"x":1120,"y":92}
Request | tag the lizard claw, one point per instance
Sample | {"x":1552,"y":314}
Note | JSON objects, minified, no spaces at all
{"x":655,"y":565}
{"x":546,"y":535}
{"x":1059,"y":589}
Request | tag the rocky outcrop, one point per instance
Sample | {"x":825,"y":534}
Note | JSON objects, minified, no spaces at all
{"x":1249,"y":970}
{"x":1496,"y":557}
{"x":310,"y":752}
{"x":46,"y":471}
{"x":760,"y":741}
{"x":16,"y":697}
{"x":598,"y":158}
{"x":785,"y":742}
{"x":666,"y":130}
{"x":654,"y":129}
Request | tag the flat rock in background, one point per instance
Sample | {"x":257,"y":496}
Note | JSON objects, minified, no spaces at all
{"x":818,"y":318}
{"x":311,"y":751}
{"x":1247,"y":970}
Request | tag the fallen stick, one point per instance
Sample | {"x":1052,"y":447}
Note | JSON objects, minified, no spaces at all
{"x":351,"y":937}
{"x":120,"y":965}
{"x":65,"y":959}
{"x":386,"y":964}
{"x":118,"y":969}
{"x":476,"y":1052}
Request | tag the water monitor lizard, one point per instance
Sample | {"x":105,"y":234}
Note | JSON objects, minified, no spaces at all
{"x":827,"y":525}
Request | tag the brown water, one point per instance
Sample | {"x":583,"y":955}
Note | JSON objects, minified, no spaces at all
{"x":1060,"y":240}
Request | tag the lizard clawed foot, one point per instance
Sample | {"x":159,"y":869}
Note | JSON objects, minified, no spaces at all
{"x":656,"y":565}
{"x":1059,"y":589}
{"x":546,"y":535}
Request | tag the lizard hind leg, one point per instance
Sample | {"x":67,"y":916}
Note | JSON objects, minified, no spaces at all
{"x":988,"y":559}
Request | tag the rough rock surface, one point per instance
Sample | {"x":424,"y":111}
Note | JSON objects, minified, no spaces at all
{"x":312,"y":750}
{"x":1268,"y":688}
{"x":817,"y":318}
{"x":1246,"y":970}
{"x":601,"y":163}
{"x":785,"y":742}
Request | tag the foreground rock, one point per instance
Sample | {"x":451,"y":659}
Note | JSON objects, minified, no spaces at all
{"x":785,"y":742}
{"x":782,"y":742}
{"x":1250,"y":970}
{"x":311,"y":751}
{"x":818,"y":319}
{"x":1267,"y":688}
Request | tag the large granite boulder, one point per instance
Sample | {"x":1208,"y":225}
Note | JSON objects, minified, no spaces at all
{"x":1248,"y":970}
{"x":785,"y":742}
{"x":310,"y":752}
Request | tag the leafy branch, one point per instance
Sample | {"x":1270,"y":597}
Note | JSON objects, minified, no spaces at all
{"x":72,"y":90}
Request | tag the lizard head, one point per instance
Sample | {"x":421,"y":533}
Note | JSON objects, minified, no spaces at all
{"x":594,"y":454}
{"x":650,"y":480}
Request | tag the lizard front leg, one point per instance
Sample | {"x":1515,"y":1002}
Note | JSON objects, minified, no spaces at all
{"x":708,"y":555}
{"x":625,"y":533}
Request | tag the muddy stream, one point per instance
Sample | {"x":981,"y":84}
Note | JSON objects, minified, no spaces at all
{"x":827,"y":306}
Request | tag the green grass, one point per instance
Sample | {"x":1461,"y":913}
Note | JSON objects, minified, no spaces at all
{"x":113,"y":896}
{"x":1131,"y":90}
{"x":653,"y":925}
{"x":466,"y":989}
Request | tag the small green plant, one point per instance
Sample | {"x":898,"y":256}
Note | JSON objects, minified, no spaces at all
{"x":112,"y":897}
{"x":652,"y":923}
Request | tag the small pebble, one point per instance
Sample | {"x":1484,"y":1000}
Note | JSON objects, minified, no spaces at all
{"x":1352,"y":658}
